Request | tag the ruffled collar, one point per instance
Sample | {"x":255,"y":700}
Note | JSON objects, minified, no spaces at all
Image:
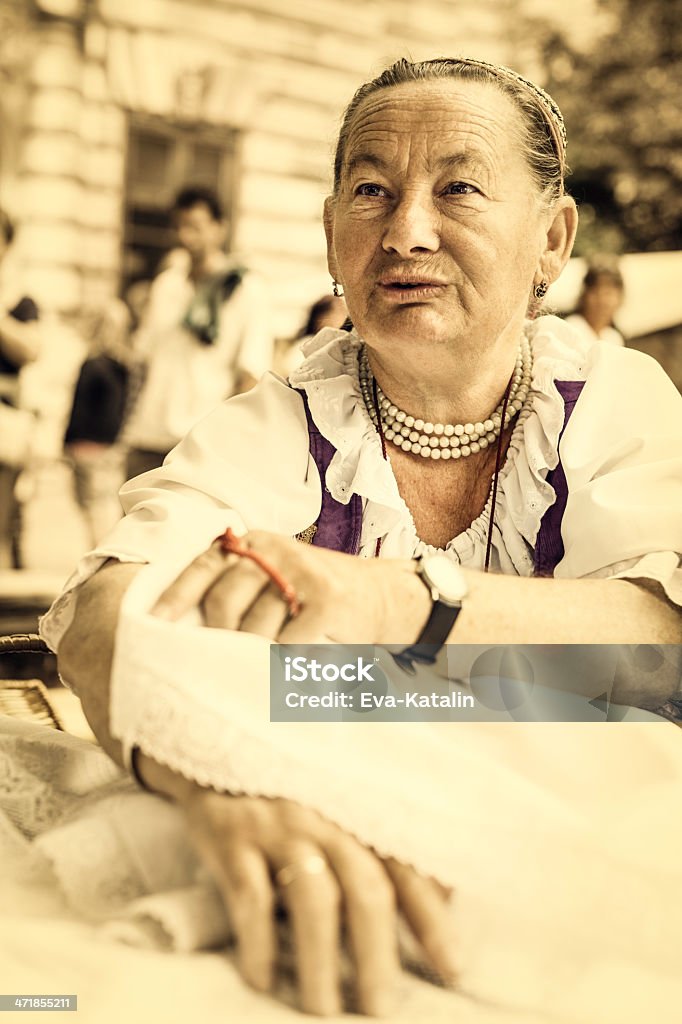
{"x":330,"y":378}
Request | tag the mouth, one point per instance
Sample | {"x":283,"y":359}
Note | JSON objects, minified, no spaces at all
{"x":410,"y":282}
{"x":411,"y":288}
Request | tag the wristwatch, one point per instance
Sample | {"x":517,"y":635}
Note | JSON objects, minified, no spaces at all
{"x":446,"y":583}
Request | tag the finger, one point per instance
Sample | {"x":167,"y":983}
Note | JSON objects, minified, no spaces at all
{"x":267,"y":614}
{"x":370,"y":912}
{"x":310,"y":626}
{"x":242,"y":875}
{"x":227,"y":601}
{"x":189,"y":588}
{"x":250,"y":899}
{"x":312,"y":899}
{"x":426,"y":909}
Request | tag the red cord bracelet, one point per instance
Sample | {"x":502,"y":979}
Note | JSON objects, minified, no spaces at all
{"x":230,"y":544}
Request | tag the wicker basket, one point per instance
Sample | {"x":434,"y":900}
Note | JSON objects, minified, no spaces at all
{"x":26,"y":698}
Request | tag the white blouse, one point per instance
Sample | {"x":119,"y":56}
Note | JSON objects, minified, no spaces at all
{"x":247,"y":465}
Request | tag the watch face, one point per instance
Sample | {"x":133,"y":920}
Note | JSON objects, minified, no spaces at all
{"x":446,"y":576}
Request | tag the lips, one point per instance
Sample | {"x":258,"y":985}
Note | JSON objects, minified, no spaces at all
{"x":402,"y":283}
{"x":410,"y":290}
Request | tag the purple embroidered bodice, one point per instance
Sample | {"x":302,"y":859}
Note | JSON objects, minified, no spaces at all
{"x":339,"y":526}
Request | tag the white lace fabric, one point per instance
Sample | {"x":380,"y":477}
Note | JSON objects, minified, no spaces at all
{"x":120,"y":858}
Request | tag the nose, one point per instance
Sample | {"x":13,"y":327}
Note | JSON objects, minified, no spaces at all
{"x":413,"y":227}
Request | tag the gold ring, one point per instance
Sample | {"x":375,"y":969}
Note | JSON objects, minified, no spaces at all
{"x":312,"y":865}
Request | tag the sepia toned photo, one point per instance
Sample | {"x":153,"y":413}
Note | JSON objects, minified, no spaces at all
{"x":341,"y":511}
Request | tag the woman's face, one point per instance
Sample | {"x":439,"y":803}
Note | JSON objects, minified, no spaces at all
{"x":437,"y":230}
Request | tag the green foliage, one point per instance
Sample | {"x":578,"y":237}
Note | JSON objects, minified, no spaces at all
{"x":621,"y":100}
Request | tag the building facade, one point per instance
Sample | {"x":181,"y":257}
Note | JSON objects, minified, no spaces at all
{"x":109,"y":106}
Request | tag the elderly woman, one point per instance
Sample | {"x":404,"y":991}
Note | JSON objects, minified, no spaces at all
{"x":480,"y":475}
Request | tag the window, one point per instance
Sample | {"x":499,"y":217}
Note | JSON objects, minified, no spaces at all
{"x":163,"y":158}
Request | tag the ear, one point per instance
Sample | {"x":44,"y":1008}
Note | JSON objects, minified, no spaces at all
{"x":328,"y":218}
{"x":560,"y":238}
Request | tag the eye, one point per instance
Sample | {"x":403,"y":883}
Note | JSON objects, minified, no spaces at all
{"x":459,"y":188}
{"x":370,"y":189}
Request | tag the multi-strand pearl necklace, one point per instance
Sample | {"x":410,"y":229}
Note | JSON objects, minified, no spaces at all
{"x":445,"y":440}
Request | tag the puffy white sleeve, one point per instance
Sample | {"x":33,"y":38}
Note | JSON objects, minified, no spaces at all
{"x":245,"y":465}
{"x":622,"y":455}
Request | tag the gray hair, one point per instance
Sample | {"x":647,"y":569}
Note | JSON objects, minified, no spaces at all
{"x":544,"y":136}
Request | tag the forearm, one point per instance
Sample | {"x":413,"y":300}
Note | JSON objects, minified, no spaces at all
{"x":19,"y":342}
{"x":518,"y":610}
{"x":512,"y":609}
{"x":85,"y":660}
{"x":86,"y":651}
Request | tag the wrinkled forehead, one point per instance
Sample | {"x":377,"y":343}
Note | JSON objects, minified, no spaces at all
{"x":473,"y":116}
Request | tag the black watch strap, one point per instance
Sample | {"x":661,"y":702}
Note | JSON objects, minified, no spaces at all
{"x":431,"y":639}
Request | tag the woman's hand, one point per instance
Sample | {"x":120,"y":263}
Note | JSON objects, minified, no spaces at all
{"x":343,"y":599}
{"x":263,"y":852}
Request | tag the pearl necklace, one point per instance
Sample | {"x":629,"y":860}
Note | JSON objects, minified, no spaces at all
{"x":445,"y":440}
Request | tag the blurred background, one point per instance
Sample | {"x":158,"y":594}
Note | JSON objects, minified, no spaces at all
{"x":109,"y":107}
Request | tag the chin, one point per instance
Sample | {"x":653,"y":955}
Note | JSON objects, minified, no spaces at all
{"x":414,"y":326}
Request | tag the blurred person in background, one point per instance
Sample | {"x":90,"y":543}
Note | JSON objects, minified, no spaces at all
{"x":205,"y":334}
{"x":97,"y":414}
{"x":328,"y":311}
{"x":136,"y":298}
{"x":19,"y":346}
{"x":600,"y":299}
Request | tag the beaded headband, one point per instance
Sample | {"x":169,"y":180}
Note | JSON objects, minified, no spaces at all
{"x":553,"y":115}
